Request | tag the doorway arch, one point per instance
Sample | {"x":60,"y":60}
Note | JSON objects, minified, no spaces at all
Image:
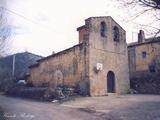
{"x":110,"y":82}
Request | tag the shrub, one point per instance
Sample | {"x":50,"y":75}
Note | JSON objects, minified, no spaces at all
{"x":27,"y":92}
{"x":6,"y":84}
{"x":42,"y":93}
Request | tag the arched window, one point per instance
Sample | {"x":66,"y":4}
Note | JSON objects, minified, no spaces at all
{"x":116,"y":34}
{"x":103,"y":29}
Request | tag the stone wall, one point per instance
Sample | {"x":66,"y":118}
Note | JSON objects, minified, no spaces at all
{"x":68,"y":67}
{"x":111,"y":54}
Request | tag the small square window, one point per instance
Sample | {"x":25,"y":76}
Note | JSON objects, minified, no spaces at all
{"x":144,"y":54}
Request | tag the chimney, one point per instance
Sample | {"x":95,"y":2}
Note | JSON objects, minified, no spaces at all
{"x":141,"y":36}
{"x":82,"y":33}
{"x":53,"y":52}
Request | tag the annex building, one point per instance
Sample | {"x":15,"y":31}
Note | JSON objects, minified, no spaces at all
{"x":144,"y":64}
{"x":144,"y":55}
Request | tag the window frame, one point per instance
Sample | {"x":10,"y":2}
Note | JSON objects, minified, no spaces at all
{"x":116,"y":34}
{"x":103,"y":29}
{"x":144,"y":54}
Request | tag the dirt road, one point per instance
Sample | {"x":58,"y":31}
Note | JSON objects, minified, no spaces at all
{"x":127,"y":107}
{"x":20,"y":109}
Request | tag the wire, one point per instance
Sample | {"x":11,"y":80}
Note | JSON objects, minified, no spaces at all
{"x":27,"y":19}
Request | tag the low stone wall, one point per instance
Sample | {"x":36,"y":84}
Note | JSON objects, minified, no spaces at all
{"x":145,"y":82}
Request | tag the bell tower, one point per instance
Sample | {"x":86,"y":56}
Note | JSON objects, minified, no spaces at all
{"x":108,"y":49}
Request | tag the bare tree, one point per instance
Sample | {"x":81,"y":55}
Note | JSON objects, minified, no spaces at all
{"x":150,"y":8}
{"x":155,"y":4}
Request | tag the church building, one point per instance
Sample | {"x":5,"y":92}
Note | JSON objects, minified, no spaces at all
{"x":98,"y":65}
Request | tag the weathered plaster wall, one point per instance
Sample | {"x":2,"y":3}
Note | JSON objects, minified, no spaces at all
{"x":113,"y":56}
{"x":152,"y":50}
{"x":140,"y":63}
{"x":68,"y":67}
{"x":34,"y":76}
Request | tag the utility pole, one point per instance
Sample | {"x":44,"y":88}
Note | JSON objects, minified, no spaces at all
{"x":13,"y":65}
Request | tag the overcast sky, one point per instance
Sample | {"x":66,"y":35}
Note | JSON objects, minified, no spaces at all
{"x":43,"y":26}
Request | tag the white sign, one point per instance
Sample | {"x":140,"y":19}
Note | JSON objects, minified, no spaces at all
{"x":99,"y":66}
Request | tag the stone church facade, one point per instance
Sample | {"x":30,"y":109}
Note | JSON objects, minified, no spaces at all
{"x":98,"y":64}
